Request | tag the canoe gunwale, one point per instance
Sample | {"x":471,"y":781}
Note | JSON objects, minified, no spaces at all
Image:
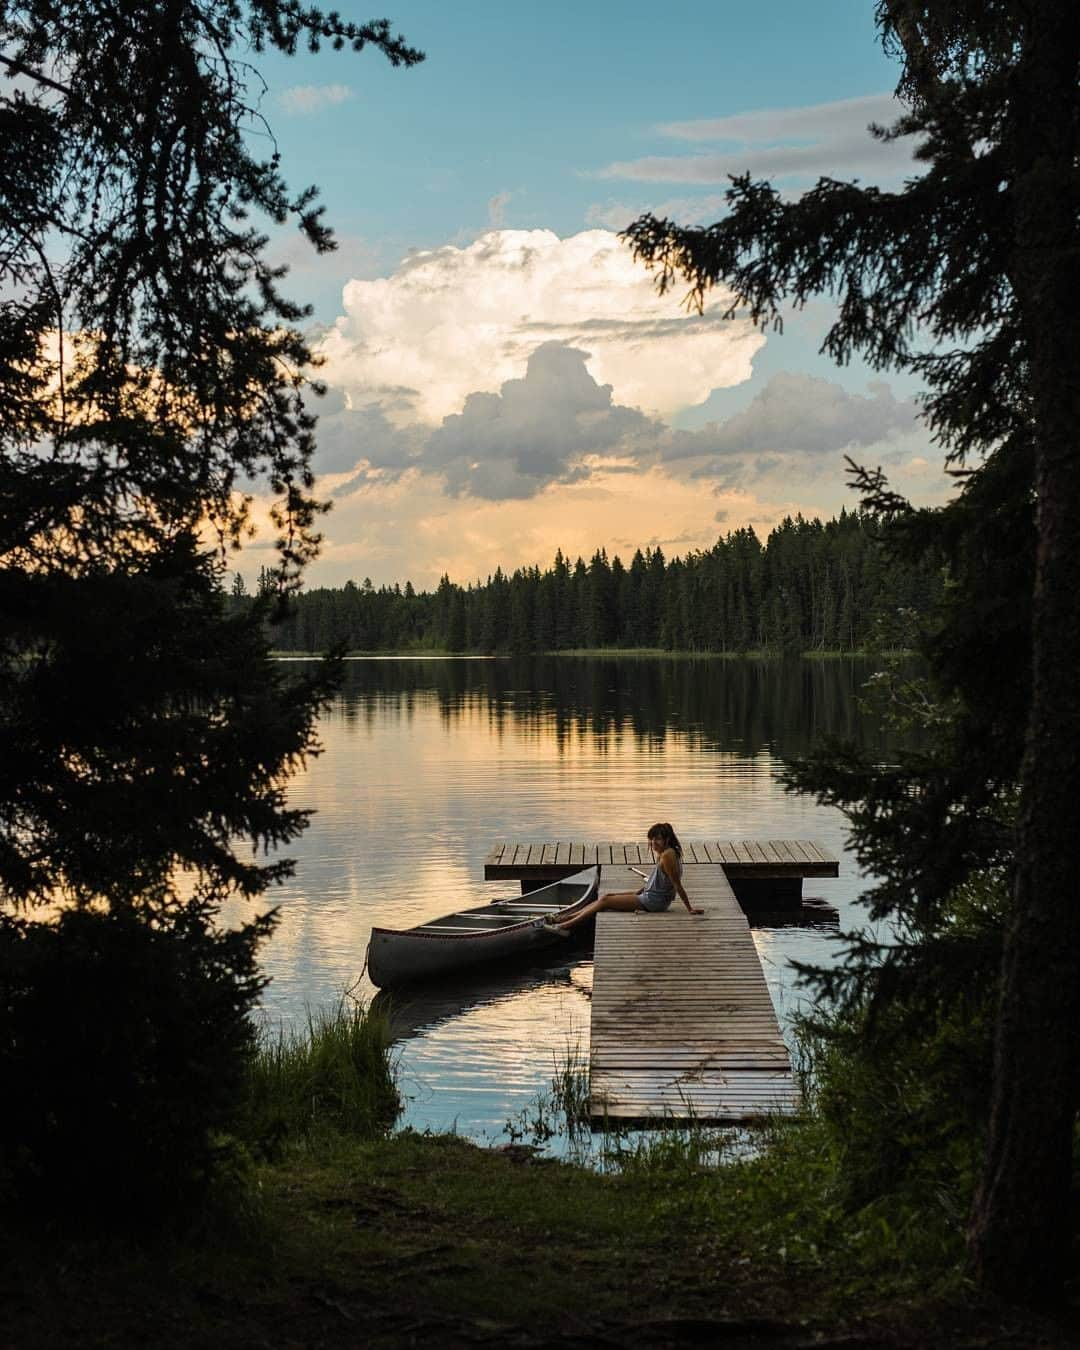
{"x":531,"y":922}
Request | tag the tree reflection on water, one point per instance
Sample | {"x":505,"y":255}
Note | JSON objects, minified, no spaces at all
{"x":740,"y":704}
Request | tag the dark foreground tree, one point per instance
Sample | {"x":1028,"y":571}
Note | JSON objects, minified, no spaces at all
{"x":151,"y":374}
{"x":967,"y":278}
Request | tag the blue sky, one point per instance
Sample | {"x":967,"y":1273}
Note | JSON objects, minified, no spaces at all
{"x":496,"y":393}
{"x":529,"y":99}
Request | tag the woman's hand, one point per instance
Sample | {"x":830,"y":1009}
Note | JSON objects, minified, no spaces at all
{"x":691,"y":910}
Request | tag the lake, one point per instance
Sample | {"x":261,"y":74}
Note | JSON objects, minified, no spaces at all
{"x":427,"y":761}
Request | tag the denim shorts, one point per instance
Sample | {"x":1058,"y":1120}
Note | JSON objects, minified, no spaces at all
{"x":655,"y":902}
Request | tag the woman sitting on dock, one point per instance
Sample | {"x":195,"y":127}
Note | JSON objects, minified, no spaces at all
{"x":661,"y":886}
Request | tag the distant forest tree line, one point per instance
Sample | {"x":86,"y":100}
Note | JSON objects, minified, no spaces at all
{"x":811,"y":586}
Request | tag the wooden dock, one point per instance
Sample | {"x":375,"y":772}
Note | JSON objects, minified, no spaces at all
{"x":682,"y":1021}
{"x":683,"y":1025}
{"x":771,"y":859}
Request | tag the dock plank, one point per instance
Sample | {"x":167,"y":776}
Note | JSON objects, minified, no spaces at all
{"x":682,"y":1023}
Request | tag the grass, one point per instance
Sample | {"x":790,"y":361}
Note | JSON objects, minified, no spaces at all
{"x":619,"y":653}
{"x":769,"y":1191}
{"x":428,"y":1240}
{"x":345,"y":1236}
{"x":332,"y":1078}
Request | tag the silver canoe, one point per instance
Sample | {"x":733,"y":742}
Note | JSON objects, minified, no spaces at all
{"x":501,"y":931}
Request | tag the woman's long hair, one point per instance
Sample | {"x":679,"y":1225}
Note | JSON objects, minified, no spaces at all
{"x":668,"y":836}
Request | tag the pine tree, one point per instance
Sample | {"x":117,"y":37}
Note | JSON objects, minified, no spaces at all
{"x":978,"y":257}
{"x":618,"y":602}
{"x":600,"y":616}
{"x":149,"y":365}
{"x":456,"y":625}
{"x":635,"y":621}
{"x":579,"y":592}
{"x":652,"y":597}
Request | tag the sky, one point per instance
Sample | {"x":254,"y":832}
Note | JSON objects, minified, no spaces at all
{"x":503,"y":379}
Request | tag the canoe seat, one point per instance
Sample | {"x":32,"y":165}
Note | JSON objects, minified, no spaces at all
{"x":470,"y":924}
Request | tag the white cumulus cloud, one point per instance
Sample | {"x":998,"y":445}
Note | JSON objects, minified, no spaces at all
{"x":455,"y":321}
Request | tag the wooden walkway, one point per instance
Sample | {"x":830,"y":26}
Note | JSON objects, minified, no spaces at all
{"x":682,"y":1022}
{"x":683,"y":1025}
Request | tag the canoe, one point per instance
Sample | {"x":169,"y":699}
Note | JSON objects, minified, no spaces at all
{"x":504,"y":930}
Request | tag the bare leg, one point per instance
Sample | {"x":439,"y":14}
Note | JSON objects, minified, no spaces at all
{"x":624,"y":900}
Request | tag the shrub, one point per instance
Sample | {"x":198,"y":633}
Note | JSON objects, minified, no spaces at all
{"x":124,"y":1043}
{"x":900,"y":1073}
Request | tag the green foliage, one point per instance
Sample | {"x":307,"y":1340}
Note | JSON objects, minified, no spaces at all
{"x":899,"y":1076}
{"x":148,"y":365}
{"x":136,"y":747}
{"x":926,"y":821}
{"x":962,"y":278}
{"x":919,"y":278}
{"x":570,"y":1086}
{"x":810,"y":586}
{"x":131,"y":146}
{"x":151,"y":373}
{"x":124,"y":1047}
{"x":333,"y":1078}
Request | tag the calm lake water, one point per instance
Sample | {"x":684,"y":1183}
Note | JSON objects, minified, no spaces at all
{"x":428,"y":761}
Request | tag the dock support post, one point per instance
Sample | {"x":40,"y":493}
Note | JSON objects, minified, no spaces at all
{"x":772,"y":893}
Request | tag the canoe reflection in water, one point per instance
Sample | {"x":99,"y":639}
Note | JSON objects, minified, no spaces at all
{"x":418,"y":1009}
{"x":500,"y":932}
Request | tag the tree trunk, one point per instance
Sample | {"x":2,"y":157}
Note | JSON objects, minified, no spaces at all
{"x":1019,"y":1235}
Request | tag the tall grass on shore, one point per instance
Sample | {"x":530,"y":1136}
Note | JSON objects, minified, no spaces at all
{"x":333,"y":1077}
{"x":869,"y":1177}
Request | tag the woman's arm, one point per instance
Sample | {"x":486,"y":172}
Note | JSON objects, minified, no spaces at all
{"x":670,"y":863}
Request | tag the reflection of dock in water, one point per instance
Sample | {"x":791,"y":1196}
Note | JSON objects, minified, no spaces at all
{"x":683,"y":1026}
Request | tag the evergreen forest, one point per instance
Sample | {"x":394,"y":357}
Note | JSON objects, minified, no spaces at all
{"x":811,"y":586}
